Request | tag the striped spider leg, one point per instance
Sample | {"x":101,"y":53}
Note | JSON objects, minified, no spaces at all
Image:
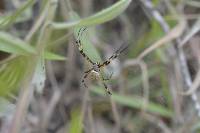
{"x":79,"y":45}
{"x":96,"y":66}
{"x":114,"y":56}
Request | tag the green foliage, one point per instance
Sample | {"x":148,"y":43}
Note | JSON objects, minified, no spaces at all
{"x":52,"y":56}
{"x":98,"y":18}
{"x":14,"y":45}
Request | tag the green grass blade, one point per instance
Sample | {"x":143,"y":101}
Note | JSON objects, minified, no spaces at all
{"x":14,"y":45}
{"x":98,"y":18}
{"x":137,"y":103}
{"x":52,"y":56}
{"x":76,"y":125}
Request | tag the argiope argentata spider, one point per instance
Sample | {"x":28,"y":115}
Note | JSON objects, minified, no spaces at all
{"x":96,"y":66}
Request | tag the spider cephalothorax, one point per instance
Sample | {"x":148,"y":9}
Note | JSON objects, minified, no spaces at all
{"x":97,"y":66}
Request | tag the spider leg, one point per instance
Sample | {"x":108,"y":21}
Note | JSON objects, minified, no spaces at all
{"x":106,"y":88}
{"x":85,"y":77}
{"x":104,"y":84}
{"x":80,"y":32}
{"x":79,"y":45}
{"x":115,"y":55}
{"x":88,"y":70}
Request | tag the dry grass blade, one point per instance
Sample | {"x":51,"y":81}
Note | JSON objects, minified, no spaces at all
{"x":173,"y":34}
{"x":194,"y":86}
{"x":194,"y":30}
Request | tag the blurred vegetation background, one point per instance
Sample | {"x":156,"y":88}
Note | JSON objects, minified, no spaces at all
{"x":154,"y":83}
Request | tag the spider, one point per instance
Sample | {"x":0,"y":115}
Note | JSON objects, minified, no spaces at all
{"x":96,"y":66}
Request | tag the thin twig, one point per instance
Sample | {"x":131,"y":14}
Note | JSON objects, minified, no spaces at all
{"x":195,"y":85}
{"x":193,"y":31}
{"x":145,"y":77}
{"x":35,"y":27}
